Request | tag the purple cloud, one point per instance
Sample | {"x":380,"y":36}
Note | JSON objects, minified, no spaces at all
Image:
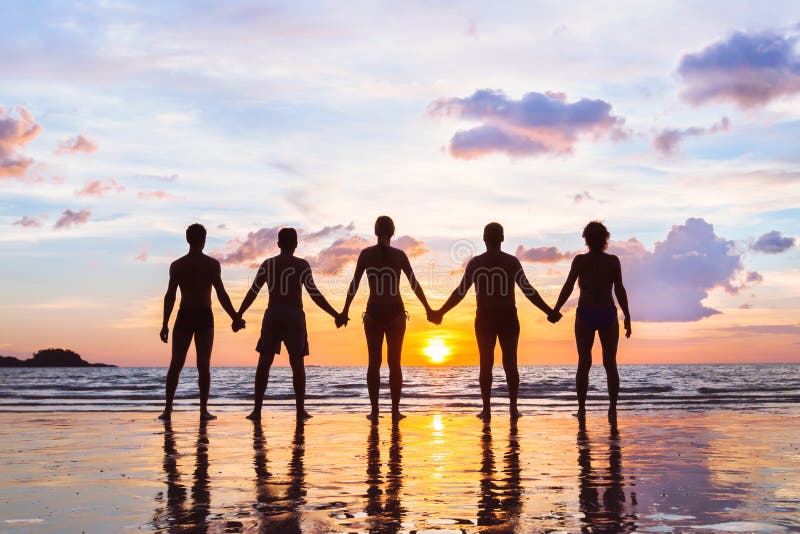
{"x":265,"y":241}
{"x":538,"y":123}
{"x":670,"y":282}
{"x":70,"y":218}
{"x":77,"y":144}
{"x":747,"y":69}
{"x":14,"y":134}
{"x":542,"y":254}
{"x":667,"y":141}
{"x":28,"y":222}
{"x":773,"y":243}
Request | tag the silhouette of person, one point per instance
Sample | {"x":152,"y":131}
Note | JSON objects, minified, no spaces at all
{"x":597,"y":273}
{"x":279,"y":513}
{"x":386,"y":515}
{"x":284,"y":319}
{"x":195,"y":274}
{"x":500,"y":503}
{"x":176,"y":516}
{"x":606,"y":513}
{"x":494,"y":274}
{"x":385,"y":316}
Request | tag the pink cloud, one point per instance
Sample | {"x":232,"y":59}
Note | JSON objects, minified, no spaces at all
{"x":142,"y":256}
{"x":542,"y":254}
{"x":70,"y":218}
{"x":332,"y":259}
{"x":265,"y":241}
{"x":77,"y":144}
{"x":667,"y":141}
{"x":28,"y":222}
{"x":14,"y":134}
{"x":98,"y":188}
{"x":536,"y":124}
{"x":157,"y":195}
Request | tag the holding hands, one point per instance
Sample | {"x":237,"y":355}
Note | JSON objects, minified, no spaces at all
{"x":341,"y":319}
{"x":238,"y":323}
{"x":554,"y":316}
{"x":435,"y":316}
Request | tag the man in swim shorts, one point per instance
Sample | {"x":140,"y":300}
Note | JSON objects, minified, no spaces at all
{"x":195,"y":274}
{"x":284,"y":319}
{"x":495,"y":273}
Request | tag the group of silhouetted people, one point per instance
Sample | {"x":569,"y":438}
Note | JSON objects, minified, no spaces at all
{"x":493,"y":273}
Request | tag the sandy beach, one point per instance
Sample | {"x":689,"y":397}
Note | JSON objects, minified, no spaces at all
{"x":103,"y":472}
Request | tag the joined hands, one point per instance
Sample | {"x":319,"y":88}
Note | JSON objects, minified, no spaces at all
{"x":341,"y":319}
{"x":238,"y":323}
{"x":554,"y":316}
{"x":435,"y":316}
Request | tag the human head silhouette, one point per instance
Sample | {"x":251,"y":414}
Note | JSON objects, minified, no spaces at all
{"x":196,"y":236}
{"x":493,"y":234}
{"x":287,"y":239}
{"x":596,"y":236}
{"x":384,"y":227}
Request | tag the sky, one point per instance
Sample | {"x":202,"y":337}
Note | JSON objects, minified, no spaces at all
{"x":676,"y":124}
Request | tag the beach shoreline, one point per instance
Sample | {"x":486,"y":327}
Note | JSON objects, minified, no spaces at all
{"x":126,"y":471}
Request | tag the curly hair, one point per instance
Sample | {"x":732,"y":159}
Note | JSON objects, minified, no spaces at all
{"x":596,"y":236}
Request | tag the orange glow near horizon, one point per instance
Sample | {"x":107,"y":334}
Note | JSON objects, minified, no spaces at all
{"x":436,"y":350}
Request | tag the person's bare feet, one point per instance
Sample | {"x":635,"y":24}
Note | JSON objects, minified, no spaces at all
{"x":373,"y":416}
{"x":515,"y":414}
{"x":304,"y":415}
{"x":396,"y":415}
{"x":254,"y":416}
{"x":205,"y":415}
{"x":580,"y":414}
{"x":166,"y":415}
{"x":485,"y":414}
{"x":612,"y":415}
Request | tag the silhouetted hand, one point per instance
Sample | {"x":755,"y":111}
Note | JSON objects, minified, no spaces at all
{"x":164,"y":335}
{"x":554,"y":316}
{"x":341,"y":320}
{"x":435,"y":316}
{"x":627,"y":325}
{"x":238,"y":324}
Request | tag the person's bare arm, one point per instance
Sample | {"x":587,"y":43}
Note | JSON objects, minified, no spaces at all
{"x":459,"y":292}
{"x":252,"y":293}
{"x":622,"y":296}
{"x":222,"y":295}
{"x":415,"y":285}
{"x":353,"y":289}
{"x":569,"y":285}
{"x":532,"y":295}
{"x":169,"y":303}
{"x":315,"y":294}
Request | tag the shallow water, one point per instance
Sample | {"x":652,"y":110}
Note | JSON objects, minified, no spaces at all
{"x":715,"y":471}
{"x":451,"y":389}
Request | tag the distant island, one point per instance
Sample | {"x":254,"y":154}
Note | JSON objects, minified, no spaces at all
{"x":51,"y":358}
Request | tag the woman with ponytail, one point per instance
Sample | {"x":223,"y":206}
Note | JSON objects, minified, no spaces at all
{"x":385,"y":316}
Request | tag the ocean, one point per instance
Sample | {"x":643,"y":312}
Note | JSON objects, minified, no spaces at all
{"x":426,"y":389}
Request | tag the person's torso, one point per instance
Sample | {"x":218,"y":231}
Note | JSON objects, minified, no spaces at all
{"x":383,"y":265}
{"x":495,"y":276}
{"x":285,"y":275}
{"x":596,"y":273}
{"x":195,"y":274}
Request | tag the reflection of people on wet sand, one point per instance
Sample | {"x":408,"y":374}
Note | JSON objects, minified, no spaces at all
{"x":195,"y":274}
{"x":284,"y":320}
{"x":176,"y":517}
{"x":597,"y":273}
{"x":606,"y":513}
{"x":385,"y":315}
{"x":500,"y":501}
{"x":386,"y":516}
{"x":495,"y":274}
{"x":279,"y":512}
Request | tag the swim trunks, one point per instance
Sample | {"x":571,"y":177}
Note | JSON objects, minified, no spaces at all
{"x":194,"y":319}
{"x":597,"y":318}
{"x":286,"y":324}
{"x":385,"y":313}
{"x":500,"y":322}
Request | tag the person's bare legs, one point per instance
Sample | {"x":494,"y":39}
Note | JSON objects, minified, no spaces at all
{"x":509,"y":340}
{"x":394,"y":348}
{"x":374,"y":334}
{"x":486,"y":353}
{"x":609,"y":339}
{"x":181,"y":339}
{"x":299,"y":383}
{"x":260,"y":387}
{"x":203,"y":343}
{"x":584,"y":339}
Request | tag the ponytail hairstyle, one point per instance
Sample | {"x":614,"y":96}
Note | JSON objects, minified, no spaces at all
{"x":384,"y":228}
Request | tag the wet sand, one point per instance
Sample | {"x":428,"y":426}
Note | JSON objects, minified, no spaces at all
{"x":443,"y":472}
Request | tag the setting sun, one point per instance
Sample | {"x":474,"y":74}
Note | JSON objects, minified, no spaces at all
{"x":436,"y":350}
